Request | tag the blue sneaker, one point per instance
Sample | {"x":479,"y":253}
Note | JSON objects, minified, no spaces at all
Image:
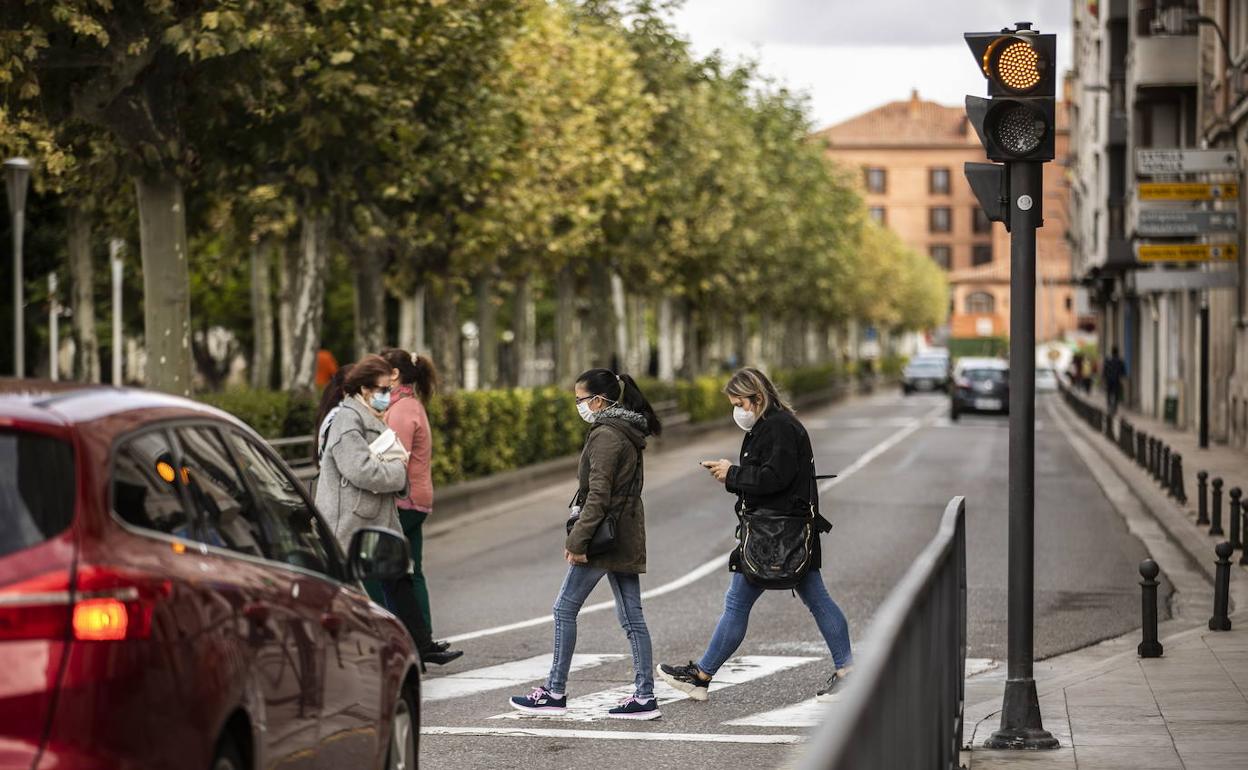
{"x":540,"y":701}
{"x":633,"y":708}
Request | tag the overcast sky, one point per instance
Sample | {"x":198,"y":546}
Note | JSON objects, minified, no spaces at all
{"x":853,"y":55}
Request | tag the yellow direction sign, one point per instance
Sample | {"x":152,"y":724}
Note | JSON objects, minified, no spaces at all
{"x":1188,"y":191}
{"x":1187,"y":252}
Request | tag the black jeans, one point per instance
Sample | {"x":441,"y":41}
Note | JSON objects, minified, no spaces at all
{"x":401,"y":600}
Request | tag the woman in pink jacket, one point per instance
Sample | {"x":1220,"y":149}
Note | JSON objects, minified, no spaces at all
{"x":413,"y":383}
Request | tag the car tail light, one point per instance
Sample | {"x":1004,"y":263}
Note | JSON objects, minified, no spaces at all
{"x":105,"y":605}
{"x":962,"y":382}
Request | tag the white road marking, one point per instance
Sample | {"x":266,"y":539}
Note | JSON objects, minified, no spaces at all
{"x":976,"y":666}
{"x":611,"y":735}
{"x":719,"y":562}
{"x":593,"y":707}
{"x":809,"y":713}
{"x":508,"y":674}
{"x":881,"y":448}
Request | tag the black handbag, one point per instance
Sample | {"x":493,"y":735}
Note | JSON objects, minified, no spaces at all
{"x":777,"y":547}
{"x":604,"y":538}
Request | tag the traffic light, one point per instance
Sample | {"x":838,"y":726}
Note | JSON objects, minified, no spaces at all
{"x":1017,"y":122}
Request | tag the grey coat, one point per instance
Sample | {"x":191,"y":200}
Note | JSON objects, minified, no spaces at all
{"x":356,"y":489}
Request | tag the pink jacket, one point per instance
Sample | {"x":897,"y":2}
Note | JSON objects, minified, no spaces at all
{"x":409,"y":421}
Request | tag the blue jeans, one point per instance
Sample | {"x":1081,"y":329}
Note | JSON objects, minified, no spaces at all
{"x":577,"y":586}
{"x":730,"y":631}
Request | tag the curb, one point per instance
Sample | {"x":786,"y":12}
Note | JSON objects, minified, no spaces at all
{"x":1174,"y":519}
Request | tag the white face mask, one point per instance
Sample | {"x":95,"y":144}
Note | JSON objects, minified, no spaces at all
{"x":586,"y":414}
{"x":745,"y":420}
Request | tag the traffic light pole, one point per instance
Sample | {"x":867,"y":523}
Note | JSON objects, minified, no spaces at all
{"x":1021,"y":725}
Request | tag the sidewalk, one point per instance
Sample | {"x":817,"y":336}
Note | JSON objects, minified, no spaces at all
{"x":1110,"y":709}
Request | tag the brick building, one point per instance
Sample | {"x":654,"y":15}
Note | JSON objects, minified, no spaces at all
{"x":910,"y":154}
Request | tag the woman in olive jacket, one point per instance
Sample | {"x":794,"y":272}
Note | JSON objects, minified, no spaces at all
{"x":776,"y":472}
{"x":611,"y":477}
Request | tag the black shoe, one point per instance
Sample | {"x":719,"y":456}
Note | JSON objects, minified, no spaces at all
{"x":441,"y":646}
{"x":686,"y":679}
{"x":835,"y":686}
{"x":440,"y":657}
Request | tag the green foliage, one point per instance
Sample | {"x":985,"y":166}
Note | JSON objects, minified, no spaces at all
{"x":271,"y":413}
{"x":962,"y":347}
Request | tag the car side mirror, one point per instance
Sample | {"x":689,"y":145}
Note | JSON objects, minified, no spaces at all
{"x":376,"y":553}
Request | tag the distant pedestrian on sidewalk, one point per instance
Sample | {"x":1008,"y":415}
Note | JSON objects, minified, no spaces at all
{"x":776,"y":474}
{"x":607,"y":502}
{"x":412,"y":385}
{"x":358,"y":488}
{"x":1113,"y":371}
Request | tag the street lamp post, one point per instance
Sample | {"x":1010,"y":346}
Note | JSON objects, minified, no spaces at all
{"x":16,"y":179}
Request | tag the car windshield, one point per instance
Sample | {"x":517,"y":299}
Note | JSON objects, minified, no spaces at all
{"x":987,"y":375}
{"x":36,"y":489}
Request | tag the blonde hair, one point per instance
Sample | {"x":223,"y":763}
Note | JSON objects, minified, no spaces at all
{"x":751,"y":384}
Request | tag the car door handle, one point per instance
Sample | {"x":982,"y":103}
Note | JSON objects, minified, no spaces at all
{"x":257,"y":613}
{"x":331,"y":623}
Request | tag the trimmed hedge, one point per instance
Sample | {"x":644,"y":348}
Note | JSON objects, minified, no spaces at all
{"x":486,"y":432}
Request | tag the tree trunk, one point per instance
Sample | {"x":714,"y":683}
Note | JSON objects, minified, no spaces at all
{"x":692,"y":365}
{"x":444,"y":313}
{"x":619,"y":320}
{"x":412,"y":322}
{"x":370,"y":300}
{"x":523,"y":322}
{"x":261,"y":317}
{"x":166,"y":282}
{"x":603,"y":351}
{"x":667,"y":341}
{"x":565,"y":326}
{"x":487,"y":329}
{"x":638,"y":363}
{"x":88,"y":353}
{"x":741,"y":342}
{"x":304,"y":297}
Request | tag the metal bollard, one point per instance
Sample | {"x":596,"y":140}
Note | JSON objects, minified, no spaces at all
{"x":1222,"y":589}
{"x":1202,"y":498}
{"x":1236,"y":543}
{"x":1243,"y":555}
{"x":1149,"y":647}
{"x":1216,"y":527}
{"x":1178,"y":490}
{"x":1152,"y":447}
{"x":1141,"y":444}
{"x":1165,"y":467}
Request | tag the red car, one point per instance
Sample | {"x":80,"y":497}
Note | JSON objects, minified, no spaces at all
{"x":170,"y":598}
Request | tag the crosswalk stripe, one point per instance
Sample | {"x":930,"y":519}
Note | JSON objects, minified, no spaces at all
{"x":510,"y":674}
{"x":612,"y":735}
{"x":594,"y":706}
{"x":808,"y":713}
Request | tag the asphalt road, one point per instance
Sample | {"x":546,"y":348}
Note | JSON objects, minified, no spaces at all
{"x":503,"y":567}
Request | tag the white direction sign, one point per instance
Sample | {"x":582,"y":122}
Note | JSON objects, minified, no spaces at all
{"x":1153,"y":162}
{"x":1178,"y":222}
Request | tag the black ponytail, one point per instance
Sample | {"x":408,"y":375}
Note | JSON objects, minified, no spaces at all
{"x":623,"y":390}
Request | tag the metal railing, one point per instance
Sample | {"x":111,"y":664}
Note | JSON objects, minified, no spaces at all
{"x":905,"y":706}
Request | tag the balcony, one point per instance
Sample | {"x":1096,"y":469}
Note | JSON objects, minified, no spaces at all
{"x":1165,"y":60}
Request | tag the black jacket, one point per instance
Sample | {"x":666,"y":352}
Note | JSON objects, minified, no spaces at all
{"x":776,"y":472}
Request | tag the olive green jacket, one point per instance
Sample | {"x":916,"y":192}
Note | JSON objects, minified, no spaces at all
{"x":610,"y":462}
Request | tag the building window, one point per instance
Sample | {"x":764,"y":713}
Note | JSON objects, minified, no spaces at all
{"x":938,"y":181}
{"x":877,"y":213}
{"x":941,"y":254}
{"x":877,"y":179}
{"x":981,"y":253}
{"x":940,"y":219}
{"x":1069,"y":304}
{"x":979,"y":303}
{"x":980,"y":222}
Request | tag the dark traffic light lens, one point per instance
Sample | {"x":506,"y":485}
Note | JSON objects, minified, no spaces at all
{"x":1018,"y":129}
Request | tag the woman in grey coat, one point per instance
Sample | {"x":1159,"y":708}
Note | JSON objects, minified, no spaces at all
{"x":359,"y":489}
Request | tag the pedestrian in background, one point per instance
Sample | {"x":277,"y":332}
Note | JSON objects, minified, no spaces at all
{"x":607,"y":502}
{"x":358,"y":488}
{"x":776,"y":473}
{"x":412,"y":385}
{"x":1113,"y":371}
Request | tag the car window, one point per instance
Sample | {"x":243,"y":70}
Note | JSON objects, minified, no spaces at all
{"x":145,"y":486}
{"x":296,"y":534}
{"x":36,"y":489}
{"x":987,"y":375}
{"x":228,"y":514}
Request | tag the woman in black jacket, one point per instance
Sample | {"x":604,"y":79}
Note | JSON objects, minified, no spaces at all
{"x":776,"y":473}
